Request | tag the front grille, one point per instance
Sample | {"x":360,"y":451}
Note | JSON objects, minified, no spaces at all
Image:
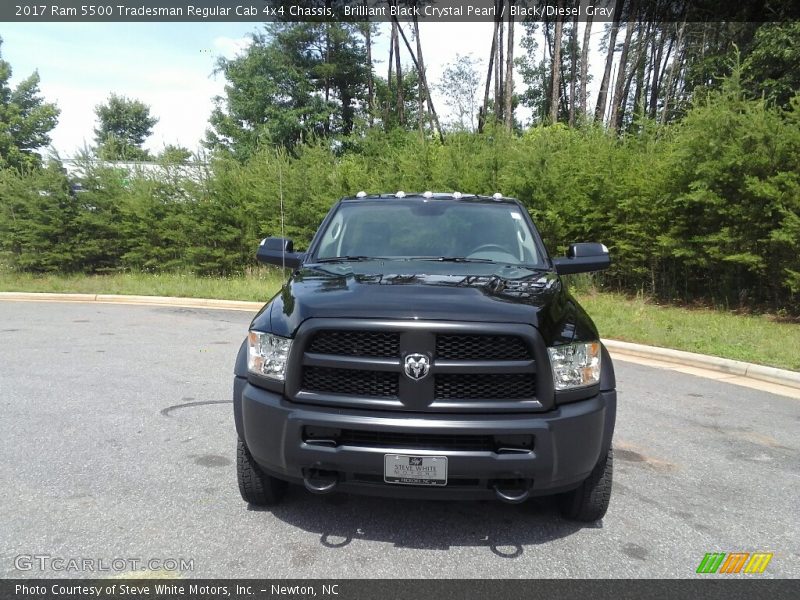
{"x":383,"y":344}
{"x":481,"y":347}
{"x":418,"y":441}
{"x":374,"y":384}
{"x":355,"y":361}
{"x":462,"y":386}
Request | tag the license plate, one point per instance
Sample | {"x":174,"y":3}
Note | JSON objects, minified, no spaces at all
{"x":415,"y":470}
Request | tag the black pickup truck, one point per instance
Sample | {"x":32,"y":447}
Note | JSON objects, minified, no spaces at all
{"x":425,"y":346}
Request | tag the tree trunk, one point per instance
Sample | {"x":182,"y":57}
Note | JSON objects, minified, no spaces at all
{"x":327,"y":79}
{"x":573,"y":75}
{"x":498,"y":84}
{"x":640,"y":93}
{"x":556,"y":87}
{"x":660,"y":67}
{"x":485,"y":108}
{"x":508,"y":95}
{"x":637,"y":71}
{"x":398,"y":69}
{"x":420,"y":80}
{"x":672,"y":69}
{"x":327,"y":59}
{"x":547,"y":82}
{"x":653,"y":66}
{"x":622,"y":71}
{"x":642,"y":77}
{"x":431,"y":109}
{"x":563,"y":101}
{"x":587,"y":31}
{"x":388,"y":107}
{"x":370,"y":81}
{"x":606,"y":116}
{"x":602,"y":95}
{"x":348,"y":113}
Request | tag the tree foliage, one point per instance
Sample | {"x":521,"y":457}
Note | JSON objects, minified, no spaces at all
{"x":708,"y":207}
{"x":173,"y":154}
{"x":459,"y":86}
{"x":687,"y":166}
{"x":26,"y":120}
{"x":295,"y":82}
{"x":123,"y":126}
{"x":771,"y":69}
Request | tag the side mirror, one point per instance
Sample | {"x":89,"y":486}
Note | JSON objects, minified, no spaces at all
{"x":279,"y":252}
{"x":583,"y":258}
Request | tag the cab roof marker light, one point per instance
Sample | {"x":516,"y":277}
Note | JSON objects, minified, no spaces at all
{"x":457,"y":195}
{"x":427,"y":194}
{"x":361,"y":195}
{"x":400,"y":194}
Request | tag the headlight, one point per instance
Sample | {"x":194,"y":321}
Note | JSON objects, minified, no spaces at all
{"x":575,"y":365}
{"x":267,"y":354}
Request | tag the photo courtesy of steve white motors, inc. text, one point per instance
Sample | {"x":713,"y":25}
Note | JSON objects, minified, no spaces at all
{"x":170,"y":589}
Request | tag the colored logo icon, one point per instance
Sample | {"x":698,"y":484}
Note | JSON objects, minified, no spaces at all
{"x":734,"y":562}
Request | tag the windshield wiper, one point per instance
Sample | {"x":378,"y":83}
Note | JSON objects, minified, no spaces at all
{"x":331,"y":259}
{"x":460,"y":259}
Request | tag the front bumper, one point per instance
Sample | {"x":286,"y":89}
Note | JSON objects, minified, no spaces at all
{"x":568,"y":443}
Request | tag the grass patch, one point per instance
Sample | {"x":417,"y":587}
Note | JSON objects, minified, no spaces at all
{"x":752,"y":338}
{"x":259,"y":286}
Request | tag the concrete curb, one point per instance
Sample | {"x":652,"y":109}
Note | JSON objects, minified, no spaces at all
{"x":712,"y":363}
{"x":679,"y":357}
{"x":133,"y":300}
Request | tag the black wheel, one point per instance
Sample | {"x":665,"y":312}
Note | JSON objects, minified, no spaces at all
{"x":256,"y":486}
{"x":589,"y":502}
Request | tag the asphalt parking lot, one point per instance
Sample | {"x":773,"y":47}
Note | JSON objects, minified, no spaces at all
{"x":117,"y":440}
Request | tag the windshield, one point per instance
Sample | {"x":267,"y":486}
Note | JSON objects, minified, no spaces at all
{"x":434,"y":229}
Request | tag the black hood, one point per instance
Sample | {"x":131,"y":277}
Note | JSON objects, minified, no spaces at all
{"x":423,"y":291}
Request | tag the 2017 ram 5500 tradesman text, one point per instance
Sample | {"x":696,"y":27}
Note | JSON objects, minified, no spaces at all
{"x":426,"y":347}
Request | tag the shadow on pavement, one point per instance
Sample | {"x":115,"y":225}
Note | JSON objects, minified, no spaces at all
{"x":506,"y":530}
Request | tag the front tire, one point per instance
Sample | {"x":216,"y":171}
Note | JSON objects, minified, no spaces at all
{"x":255,"y":486}
{"x":589,"y":502}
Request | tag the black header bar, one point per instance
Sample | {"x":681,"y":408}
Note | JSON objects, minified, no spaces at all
{"x":708,"y":588}
{"x":259,"y":11}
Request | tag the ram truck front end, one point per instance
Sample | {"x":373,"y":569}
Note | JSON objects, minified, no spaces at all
{"x":426,"y":347}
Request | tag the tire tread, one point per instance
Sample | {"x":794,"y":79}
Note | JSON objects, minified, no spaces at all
{"x":255,"y":486}
{"x":589,"y":502}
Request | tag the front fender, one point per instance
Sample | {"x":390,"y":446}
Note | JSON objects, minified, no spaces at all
{"x":608,"y":386}
{"x":240,"y":368}
{"x":239,"y":381}
{"x":608,"y":379}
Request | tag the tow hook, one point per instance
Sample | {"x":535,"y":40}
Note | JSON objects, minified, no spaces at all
{"x":515,"y":493}
{"x":318,"y":481}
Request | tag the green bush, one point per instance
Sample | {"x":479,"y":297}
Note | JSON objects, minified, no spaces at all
{"x":39,"y":221}
{"x":705,"y":208}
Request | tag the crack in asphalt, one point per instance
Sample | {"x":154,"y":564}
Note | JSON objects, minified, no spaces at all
{"x":166,"y":411}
